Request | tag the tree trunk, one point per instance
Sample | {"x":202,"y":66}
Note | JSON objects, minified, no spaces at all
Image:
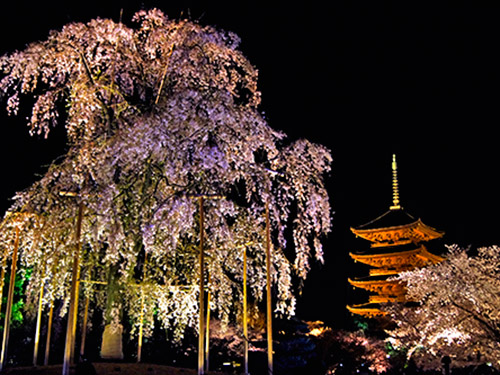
{"x":111,"y":346}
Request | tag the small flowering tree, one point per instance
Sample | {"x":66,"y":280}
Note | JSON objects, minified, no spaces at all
{"x":457,"y":312}
{"x":157,"y":114}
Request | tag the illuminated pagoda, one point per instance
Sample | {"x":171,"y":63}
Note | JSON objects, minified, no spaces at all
{"x":397,"y":244}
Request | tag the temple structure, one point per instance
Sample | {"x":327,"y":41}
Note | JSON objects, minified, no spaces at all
{"x":397,"y":243}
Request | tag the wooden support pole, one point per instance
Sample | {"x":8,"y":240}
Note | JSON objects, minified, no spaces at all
{"x":2,"y":278}
{"x":49,"y":333}
{"x":141,"y":328}
{"x":84,"y":326}
{"x":245,"y":312}
{"x":10,"y":298}
{"x":201,"y":327}
{"x":2,"y":282}
{"x":207,"y":335}
{"x":69,"y":347}
{"x":141,"y":323}
{"x":38,"y":326}
{"x":75,"y":317}
{"x":269,"y":316}
{"x":49,"y":320}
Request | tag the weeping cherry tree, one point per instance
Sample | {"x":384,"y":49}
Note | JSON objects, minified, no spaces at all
{"x":157,"y":114}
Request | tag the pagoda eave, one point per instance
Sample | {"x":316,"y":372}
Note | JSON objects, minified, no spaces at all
{"x":386,"y":287}
{"x":414,"y":232}
{"x":418,"y":257}
{"x":379,"y":298}
{"x":366,"y":311}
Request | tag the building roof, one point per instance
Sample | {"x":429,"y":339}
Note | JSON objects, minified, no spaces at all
{"x":399,"y":261}
{"x":390,"y":218}
{"x":367,"y":309}
{"x":396,"y":227}
{"x":385,"y":287}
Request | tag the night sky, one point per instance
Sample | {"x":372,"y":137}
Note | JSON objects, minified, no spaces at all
{"x":366,"y":79}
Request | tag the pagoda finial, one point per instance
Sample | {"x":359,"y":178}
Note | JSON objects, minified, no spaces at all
{"x":395,"y":185}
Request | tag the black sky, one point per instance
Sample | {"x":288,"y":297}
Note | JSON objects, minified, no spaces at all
{"x":366,"y":79}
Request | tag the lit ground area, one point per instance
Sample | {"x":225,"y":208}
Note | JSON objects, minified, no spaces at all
{"x":107,"y":368}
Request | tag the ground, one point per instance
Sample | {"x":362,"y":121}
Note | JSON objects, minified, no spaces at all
{"x":108,"y":369}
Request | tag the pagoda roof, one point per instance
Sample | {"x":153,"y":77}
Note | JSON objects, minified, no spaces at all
{"x":366,"y":309}
{"x":379,"y":286}
{"x":396,"y":227}
{"x":399,"y":260}
{"x":382,"y":298}
{"x":390,"y":218}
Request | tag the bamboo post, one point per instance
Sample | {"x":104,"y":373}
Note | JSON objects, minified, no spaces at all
{"x":75,"y":316}
{"x":141,"y":328}
{"x":69,"y":347}
{"x":38,"y":325}
{"x":2,"y":282}
{"x":2,"y":278}
{"x":207,"y":334}
{"x":84,"y":326}
{"x":269,"y":316}
{"x":201,"y":328}
{"x":141,"y":323}
{"x":49,"y":320}
{"x":49,"y":333}
{"x":10,"y":298}
{"x":245,"y":312}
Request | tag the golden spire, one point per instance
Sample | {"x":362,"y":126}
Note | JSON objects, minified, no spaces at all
{"x":395,"y":185}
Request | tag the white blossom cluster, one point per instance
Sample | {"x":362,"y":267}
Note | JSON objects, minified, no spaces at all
{"x":158,"y":114}
{"x":458,"y":311}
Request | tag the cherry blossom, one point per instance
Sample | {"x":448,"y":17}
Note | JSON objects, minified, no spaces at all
{"x":157,"y":114}
{"x":456,"y":312}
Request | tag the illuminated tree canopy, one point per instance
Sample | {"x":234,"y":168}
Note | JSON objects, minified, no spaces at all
{"x":458,"y":309}
{"x":156,"y":114}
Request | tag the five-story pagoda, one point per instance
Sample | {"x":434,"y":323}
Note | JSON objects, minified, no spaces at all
{"x":397,"y":244}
